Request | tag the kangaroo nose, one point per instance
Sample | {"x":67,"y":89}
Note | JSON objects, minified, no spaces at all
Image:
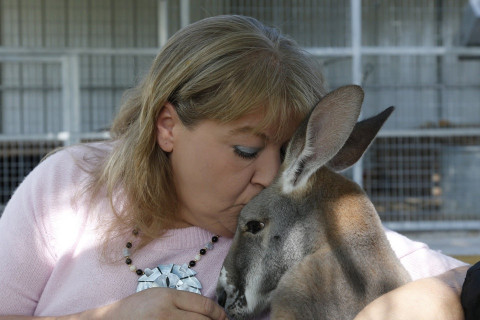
{"x":222,"y":298}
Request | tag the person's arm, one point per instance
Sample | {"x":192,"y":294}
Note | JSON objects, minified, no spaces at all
{"x":26,"y":251}
{"x":154,"y":303}
{"x":436,"y":298}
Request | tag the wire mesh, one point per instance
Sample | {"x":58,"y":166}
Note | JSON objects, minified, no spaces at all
{"x":424,"y":178}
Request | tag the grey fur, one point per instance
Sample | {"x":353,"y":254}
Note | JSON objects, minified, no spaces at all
{"x":322,"y":252}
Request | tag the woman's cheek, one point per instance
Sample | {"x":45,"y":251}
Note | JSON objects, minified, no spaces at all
{"x":231,"y":219}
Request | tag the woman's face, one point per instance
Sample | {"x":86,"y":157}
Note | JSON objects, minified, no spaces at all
{"x":218,"y":168}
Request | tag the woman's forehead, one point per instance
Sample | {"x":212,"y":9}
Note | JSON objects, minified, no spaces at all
{"x":268,"y":129}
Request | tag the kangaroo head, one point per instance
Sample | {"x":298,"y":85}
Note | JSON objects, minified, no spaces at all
{"x":280,"y":226}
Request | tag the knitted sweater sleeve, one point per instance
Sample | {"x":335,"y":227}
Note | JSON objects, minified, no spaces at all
{"x":28,"y":245}
{"x":418,"y":259}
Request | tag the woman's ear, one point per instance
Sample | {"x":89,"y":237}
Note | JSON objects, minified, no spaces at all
{"x":166,"y":121}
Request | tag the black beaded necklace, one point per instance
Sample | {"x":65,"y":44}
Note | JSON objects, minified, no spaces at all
{"x":180,"y":277}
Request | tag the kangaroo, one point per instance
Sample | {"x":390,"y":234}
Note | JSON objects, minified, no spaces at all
{"x":311,"y":245}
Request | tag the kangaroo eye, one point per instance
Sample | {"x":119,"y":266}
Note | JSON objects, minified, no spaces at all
{"x":254,"y":226}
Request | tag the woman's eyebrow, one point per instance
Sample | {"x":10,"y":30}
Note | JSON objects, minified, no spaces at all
{"x":249,"y":130}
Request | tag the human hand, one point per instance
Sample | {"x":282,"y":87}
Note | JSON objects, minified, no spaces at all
{"x":159,"y":303}
{"x":435,"y":298}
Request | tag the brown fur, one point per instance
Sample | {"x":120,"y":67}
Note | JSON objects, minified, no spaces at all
{"x":352,"y":230}
{"x":322,"y":253}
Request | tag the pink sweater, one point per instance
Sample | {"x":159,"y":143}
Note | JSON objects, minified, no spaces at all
{"x":50,"y":248}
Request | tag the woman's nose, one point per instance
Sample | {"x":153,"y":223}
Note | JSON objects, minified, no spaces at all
{"x":267,"y":167}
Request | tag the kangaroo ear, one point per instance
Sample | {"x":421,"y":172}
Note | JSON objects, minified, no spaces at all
{"x":321,"y":135}
{"x":359,"y":141}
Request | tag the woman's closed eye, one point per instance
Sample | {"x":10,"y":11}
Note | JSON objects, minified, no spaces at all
{"x":246,"y":152}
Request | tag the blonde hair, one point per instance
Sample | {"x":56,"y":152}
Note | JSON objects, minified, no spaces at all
{"x":219,"y":68}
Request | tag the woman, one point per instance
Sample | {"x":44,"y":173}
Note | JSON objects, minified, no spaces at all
{"x":196,"y":140}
